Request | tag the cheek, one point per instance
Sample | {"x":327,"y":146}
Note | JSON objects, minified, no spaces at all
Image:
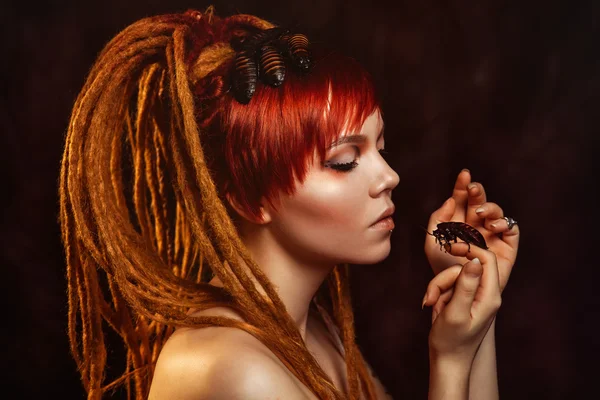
{"x":330,"y":207}
{"x":329,"y":221}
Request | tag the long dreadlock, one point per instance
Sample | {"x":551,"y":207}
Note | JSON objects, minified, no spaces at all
{"x":141,"y":216}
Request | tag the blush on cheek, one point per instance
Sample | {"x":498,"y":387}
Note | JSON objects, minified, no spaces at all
{"x":327,"y":203}
{"x":329,"y":217}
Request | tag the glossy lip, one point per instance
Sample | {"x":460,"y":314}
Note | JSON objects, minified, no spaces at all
{"x":387,"y":213}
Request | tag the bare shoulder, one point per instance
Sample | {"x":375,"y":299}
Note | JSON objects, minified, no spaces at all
{"x":220,"y":363}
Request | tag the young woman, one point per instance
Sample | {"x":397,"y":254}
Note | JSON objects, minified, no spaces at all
{"x":218,"y":178}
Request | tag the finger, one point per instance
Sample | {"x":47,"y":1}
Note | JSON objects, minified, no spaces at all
{"x":460,"y":194}
{"x":442,"y":214}
{"x":489,"y":210}
{"x":477,"y":197}
{"x":454,"y":207}
{"x":509,"y":236}
{"x":467,"y":285}
{"x":462,"y":249}
{"x":439,"y":306}
{"x":443,"y":300}
{"x":441,"y":283}
{"x":490,"y":281}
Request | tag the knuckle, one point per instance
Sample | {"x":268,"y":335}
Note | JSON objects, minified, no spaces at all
{"x":468,"y":290}
{"x":495,"y":303}
{"x":471,"y":291}
{"x":431,"y":284}
{"x":455,"y":319}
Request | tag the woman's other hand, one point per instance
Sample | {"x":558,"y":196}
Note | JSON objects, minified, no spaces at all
{"x":465,"y":300}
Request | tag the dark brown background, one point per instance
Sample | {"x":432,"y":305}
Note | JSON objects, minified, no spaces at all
{"x":507,"y":89}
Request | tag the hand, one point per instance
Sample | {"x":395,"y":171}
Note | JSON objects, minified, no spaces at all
{"x":465,"y":299}
{"x":466,"y":198}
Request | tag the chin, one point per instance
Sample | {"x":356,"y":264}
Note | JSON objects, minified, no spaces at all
{"x":373,"y":255}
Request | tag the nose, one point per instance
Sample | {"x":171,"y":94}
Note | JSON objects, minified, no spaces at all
{"x":387,"y":180}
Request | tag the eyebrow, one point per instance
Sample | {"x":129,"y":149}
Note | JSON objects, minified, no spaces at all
{"x":354,"y":139}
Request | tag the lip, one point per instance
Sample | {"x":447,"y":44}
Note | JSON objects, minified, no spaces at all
{"x":387,"y":213}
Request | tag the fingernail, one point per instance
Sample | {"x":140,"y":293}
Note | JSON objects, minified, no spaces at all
{"x":424,"y":300}
{"x":480,"y":210}
{"x":471,"y":185}
{"x":466,"y":169}
{"x":493,"y":225}
{"x":474,"y":274}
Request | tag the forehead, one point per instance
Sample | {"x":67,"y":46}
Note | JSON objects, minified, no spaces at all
{"x":372,"y":122}
{"x":373,"y":125}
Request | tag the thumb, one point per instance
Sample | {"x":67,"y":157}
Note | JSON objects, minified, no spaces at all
{"x":465,"y":290}
{"x":445,"y":212}
{"x":442,"y":214}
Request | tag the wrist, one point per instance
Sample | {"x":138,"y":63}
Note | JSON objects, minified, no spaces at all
{"x":458,"y":365}
{"x":483,"y":382}
{"x":448,"y":377}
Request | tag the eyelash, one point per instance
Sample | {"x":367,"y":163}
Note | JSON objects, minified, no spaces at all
{"x":349,"y":166}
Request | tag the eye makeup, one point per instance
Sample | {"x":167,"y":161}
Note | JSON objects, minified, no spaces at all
{"x":349,"y":166}
{"x":343,"y":167}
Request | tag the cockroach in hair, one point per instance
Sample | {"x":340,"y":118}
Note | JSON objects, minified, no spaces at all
{"x":259,"y":39}
{"x":448,"y":231}
{"x":271,"y":66}
{"x":299,"y":51}
{"x":248,"y":59}
{"x":245,"y":76}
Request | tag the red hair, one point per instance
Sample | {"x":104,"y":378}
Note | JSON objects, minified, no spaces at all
{"x":142,"y":224}
{"x":269,"y":143}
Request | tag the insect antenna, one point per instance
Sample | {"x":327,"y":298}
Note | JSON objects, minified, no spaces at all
{"x":422,"y":227}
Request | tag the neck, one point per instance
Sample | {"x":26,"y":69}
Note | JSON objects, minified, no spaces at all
{"x":295,"y":280}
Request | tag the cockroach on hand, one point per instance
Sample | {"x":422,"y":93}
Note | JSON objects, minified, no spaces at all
{"x":448,"y":231}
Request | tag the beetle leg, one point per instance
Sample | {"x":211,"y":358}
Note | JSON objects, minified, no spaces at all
{"x":447,"y":247}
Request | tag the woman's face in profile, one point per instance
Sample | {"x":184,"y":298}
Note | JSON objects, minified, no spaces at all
{"x":330,"y":217}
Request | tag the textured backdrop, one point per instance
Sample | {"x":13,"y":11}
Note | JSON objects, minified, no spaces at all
{"x":509,"y":90}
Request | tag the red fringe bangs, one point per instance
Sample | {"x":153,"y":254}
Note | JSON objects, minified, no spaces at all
{"x":272,"y":141}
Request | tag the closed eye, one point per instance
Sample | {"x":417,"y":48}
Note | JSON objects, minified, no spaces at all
{"x":347,"y":167}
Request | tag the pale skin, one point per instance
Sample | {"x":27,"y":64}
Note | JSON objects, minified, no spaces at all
{"x":469,"y":204}
{"x":327,"y":221}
